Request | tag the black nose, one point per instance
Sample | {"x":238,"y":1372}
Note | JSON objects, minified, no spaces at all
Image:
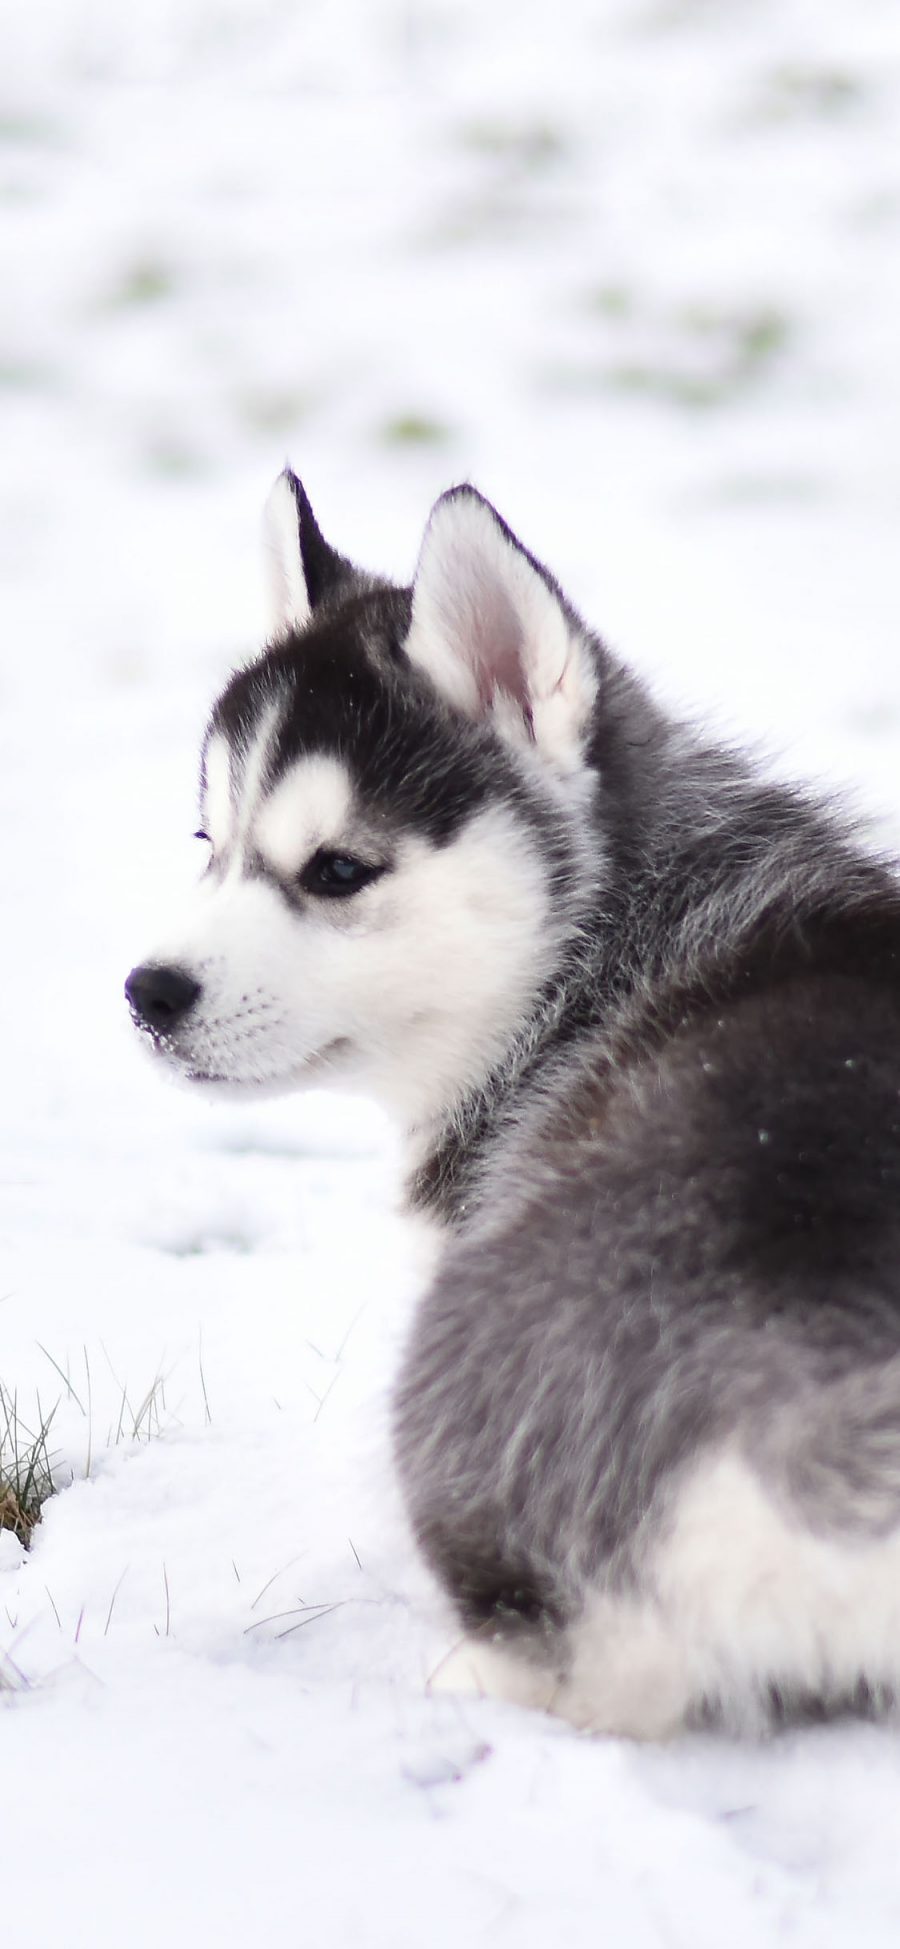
{"x":159,"y":998}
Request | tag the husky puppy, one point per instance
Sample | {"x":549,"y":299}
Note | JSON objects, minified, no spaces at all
{"x":639,"y":1011}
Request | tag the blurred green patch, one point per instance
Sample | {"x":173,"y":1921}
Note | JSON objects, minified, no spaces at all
{"x":763,"y":489}
{"x":173,"y":459}
{"x":697,"y":356}
{"x":148,"y":281}
{"x":797,"y":91}
{"x":672,"y":14}
{"x":500,"y":210}
{"x":266,"y":409}
{"x":527,"y":145}
{"x":612,"y":300}
{"x":678,"y":388}
{"x":28,"y":129}
{"x":746,"y":338}
{"x":414,"y":430}
{"x":19,"y":375}
{"x":508,"y":194}
{"x":204,"y":1242}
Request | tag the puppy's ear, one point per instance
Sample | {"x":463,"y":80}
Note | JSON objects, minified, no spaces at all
{"x":302,"y":568}
{"x":495,"y":634}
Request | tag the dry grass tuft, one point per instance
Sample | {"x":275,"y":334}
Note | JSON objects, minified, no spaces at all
{"x":26,"y":1472}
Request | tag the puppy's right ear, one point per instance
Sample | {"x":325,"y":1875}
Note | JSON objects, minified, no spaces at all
{"x":302,"y":568}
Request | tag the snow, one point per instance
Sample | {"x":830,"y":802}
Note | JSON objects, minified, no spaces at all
{"x":635,"y":269}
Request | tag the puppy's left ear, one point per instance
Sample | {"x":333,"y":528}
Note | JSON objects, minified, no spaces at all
{"x":302,"y":568}
{"x":495,"y":634}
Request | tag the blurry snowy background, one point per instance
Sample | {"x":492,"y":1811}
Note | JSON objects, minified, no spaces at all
{"x":634,"y":267}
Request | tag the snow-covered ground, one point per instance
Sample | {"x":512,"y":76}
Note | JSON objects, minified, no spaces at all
{"x":635,"y":268}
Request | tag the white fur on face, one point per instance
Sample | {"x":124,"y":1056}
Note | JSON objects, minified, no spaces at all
{"x":309,"y":808}
{"x":409,"y":988}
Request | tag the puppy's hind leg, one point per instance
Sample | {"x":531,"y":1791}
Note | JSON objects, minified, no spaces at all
{"x":621,"y":1673}
{"x":486,"y":1668}
{"x":627,"y":1675}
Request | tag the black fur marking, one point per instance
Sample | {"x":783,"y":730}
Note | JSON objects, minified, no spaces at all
{"x":493,"y":1594}
{"x":342,"y":688}
{"x":325,"y":571}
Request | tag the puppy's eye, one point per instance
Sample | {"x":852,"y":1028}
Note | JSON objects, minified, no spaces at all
{"x":200,"y":834}
{"x":337,"y":874}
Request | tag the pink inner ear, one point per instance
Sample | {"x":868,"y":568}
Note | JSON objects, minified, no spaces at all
{"x":497,"y":652}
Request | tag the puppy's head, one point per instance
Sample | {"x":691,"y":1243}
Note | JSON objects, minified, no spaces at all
{"x":391,"y":802}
